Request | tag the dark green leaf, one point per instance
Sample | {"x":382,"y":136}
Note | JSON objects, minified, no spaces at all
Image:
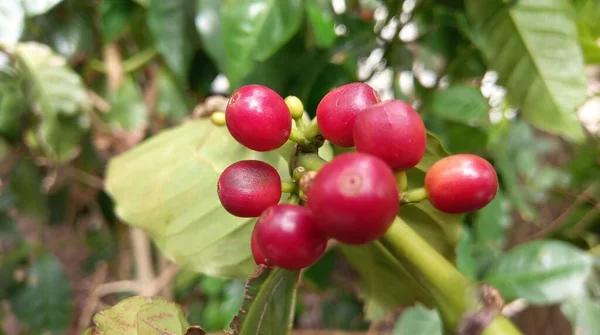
{"x":459,"y":103}
{"x":142,"y":316}
{"x":269,"y":303}
{"x":171,"y":101}
{"x":12,"y":104}
{"x":583,"y":314}
{"x":539,"y":61}
{"x":25,"y":185}
{"x":128,"y":110}
{"x":210,"y":27}
{"x":321,"y":16}
{"x":171,"y":23}
{"x":253,"y":30}
{"x":45,"y":302}
{"x":37,"y":7}
{"x":418,"y":320}
{"x":60,"y":135}
{"x":541,"y":272}
{"x":68,"y":33}
{"x":12,"y":21}
{"x":116,"y":16}
{"x":143,"y":3}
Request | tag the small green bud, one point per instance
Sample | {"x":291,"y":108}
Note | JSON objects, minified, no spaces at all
{"x":218,"y":119}
{"x":295,"y":106}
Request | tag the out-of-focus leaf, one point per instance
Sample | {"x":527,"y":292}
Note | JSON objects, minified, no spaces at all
{"x":116,"y":16}
{"x":583,"y":314}
{"x":268,"y":304}
{"x":537,"y":58}
{"x":45,"y":301}
{"x":588,"y":26}
{"x":171,"y":101}
{"x":12,"y":103}
{"x":38,"y":7}
{"x":441,"y":230}
{"x":254,"y":30}
{"x":541,"y":272}
{"x":172,"y":25}
{"x":60,"y":135}
{"x":459,"y":103}
{"x":210,"y":27}
{"x":143,"y":3}
{"x":68,"y":33}
{"x":167,"y":186}
{"x":25,"y":185}
{"x":141,"y":316}
{"x":12,"y":21}
{"x":321,"y":16}
{"x":418,"y":320}
{"x":128,"y":110}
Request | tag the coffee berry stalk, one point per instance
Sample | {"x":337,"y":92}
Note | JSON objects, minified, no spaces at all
{"x":354,"y":198}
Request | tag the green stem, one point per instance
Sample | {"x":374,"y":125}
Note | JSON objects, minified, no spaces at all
{"x":288,"y":187}
{"x":310,"y":161}
{"x":453,"y":293}
{"x":312,"y":130}
{"x":298,"y":137}
{"x":300,"y":124}
{"x":131,"y":64}
{"x":293,"y":199}
{"x":414,"y":195}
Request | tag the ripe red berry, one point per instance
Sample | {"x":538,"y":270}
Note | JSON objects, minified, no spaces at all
{"x":393,"y":131}
{"x":258,"y":256}
{"x":288,"y":237}
{"x":247,"y":188}
{"x":258,"y":118}
{"x":338,"y":109}
{"x":461,"y":183}
{"x":354,"y":197}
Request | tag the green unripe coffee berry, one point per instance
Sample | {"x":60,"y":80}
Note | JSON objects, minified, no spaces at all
{"x":295,"y":106}
{"x":218,"y":119}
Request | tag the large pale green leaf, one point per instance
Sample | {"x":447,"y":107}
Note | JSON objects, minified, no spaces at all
{"x":172,"y":25}
{"x":45,"y":302}
{"x":533,"y":46}
{"x":269,"y":303}
{"x":441,"y":230}
{"x":460,"y":103}
{"x":583,"y":314}
{"x":418,"y":320}
{"x":167,"y":186}
{"x":541,"y":272}
{"x":128,"y":110}
{"x":141,"y":316}
{"x":253,"y":30}
{"x":38,"y":7}
{"x":12,"y":21}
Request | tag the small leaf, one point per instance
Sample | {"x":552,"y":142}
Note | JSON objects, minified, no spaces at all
{"x":38,"y":7}
{"x":418,"y":320}
{"x":171,"y":24}
{"x":142,"y":316}
{"x":321,"y":16}
{"x":253,"y":30}
{"x":128,"y":110}
{"x":12,"y":104}
{"x":538,"y":60}
{"x":25,"y":186}
{"x":12,"y":21}
{"x":541,"y":272}
{"x":60,"y":135}
{"x":269,"y":303}
{"x":583,"y":314}
{"x":460,"y":103}
{"x":171,"y":101}
{"x":45,"y":302}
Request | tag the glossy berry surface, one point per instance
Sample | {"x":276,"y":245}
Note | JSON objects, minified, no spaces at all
{"x":258,"y":118}
{"x":354,"y":197}
{"x":337,"y":111}
{"x":258,"y":256}
{"x":247,"y":188}
{"x":288,"y":237}
{"x":393,"y":131}
{"x":461,"y":183}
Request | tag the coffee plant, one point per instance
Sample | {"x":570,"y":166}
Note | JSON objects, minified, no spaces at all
{"x":191,"y":167}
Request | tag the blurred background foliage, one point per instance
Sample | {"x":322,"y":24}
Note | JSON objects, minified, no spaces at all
{"x":517,"y":82}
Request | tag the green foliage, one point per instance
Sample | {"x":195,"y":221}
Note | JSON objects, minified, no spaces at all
{"x":418,"y":321}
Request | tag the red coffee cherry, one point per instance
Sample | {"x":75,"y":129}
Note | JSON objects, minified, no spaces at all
{"x":461,"y":183}
{"x":354,"y":197}
{"x":247,"y":188}
{"x":393,"y":131}
{"x":258,"y":256}
{"x":338,"y":109}
{"x":288,"y":237}
{"x":258,"y":118}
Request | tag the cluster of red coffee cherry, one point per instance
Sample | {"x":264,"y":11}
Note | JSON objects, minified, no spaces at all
{"x":355,"y":197}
